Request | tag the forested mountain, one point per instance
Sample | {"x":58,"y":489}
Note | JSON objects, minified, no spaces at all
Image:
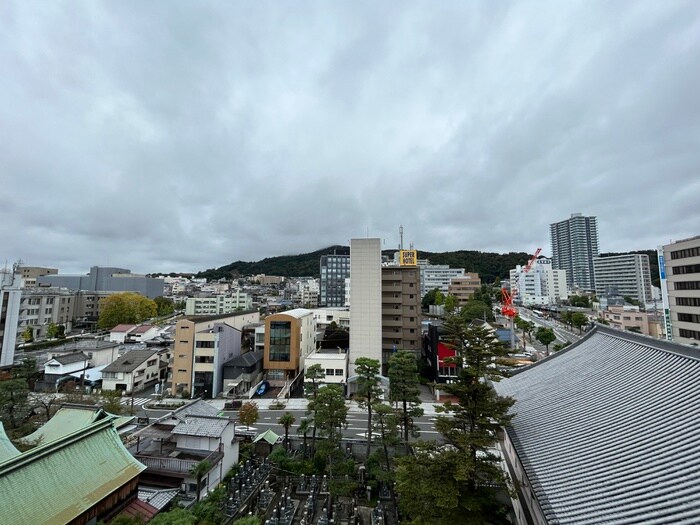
{"x":487,"y":265}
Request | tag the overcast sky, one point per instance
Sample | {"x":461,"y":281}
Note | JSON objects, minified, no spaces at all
{"x":177,"y":136}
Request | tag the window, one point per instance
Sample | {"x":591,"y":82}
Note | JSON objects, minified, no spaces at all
{"x":688,"y":252}
{"x":687,"y":285}
{"x":280,"y":340}
{"x":688,"y":301}
{"x":205,"y":344}
{"x":339,"y":371}
{"x":690,"y":334}
{"x":329,"y":371}
{"x":204,"y":359}
{"x":182,"y":370}
{"x":151,"y":362}
{"x":682,"y":270}
{"x":689,"y":318}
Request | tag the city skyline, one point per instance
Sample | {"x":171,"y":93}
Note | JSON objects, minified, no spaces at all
{"x":167,"y":139}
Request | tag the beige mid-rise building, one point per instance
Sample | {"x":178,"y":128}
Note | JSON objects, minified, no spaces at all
{"x":464,"y":287}
{"x":679,"y":266}
{"x":201,"y":349}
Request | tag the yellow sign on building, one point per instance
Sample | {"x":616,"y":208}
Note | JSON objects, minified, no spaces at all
{"x":408,"y":258}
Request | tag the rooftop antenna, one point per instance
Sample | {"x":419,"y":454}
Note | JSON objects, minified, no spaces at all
{"x":401,"y":237}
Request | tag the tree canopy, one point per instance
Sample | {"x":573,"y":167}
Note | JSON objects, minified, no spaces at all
{"x":125,"y":308}
{"x":457,"y":479}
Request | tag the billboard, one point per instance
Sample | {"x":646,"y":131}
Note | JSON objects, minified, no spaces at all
{"x":408,"y":258}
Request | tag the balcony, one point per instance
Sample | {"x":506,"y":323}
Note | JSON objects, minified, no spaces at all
{"x":177,"y":466}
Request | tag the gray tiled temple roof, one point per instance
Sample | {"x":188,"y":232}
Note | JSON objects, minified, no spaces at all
{"x":608,"y":431}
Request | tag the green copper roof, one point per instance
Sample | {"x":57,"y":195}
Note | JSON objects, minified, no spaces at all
{"x":59,"y":480}
{"x":7,"y":449}
{"x":269,"y":436}
{"x":69,"y":419}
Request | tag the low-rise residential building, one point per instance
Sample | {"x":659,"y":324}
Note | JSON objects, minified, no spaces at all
{"x":134,"y":371}
{"x":118,"y":333}
{"x":176,"y":443}
{"x":61,"y":365}
{"x":199,"y":349}
{"x":289,"y":338}
{"x":242,"y":373}
{"x":464,"y":287}
{"x":627,"y":318}
{"x":323,"y":317}
{"x":334,"y":363}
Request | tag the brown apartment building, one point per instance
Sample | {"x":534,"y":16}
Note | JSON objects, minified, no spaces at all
{"x":401,"y":311}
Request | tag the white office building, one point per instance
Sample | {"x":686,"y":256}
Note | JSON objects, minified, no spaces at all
{"x":541,"y":286}
{"x":10,"y":297}
{"x":437,"y":276}
{"x":218,"y":304}
{"x":365,"y":300}
{"x":627,"y":275}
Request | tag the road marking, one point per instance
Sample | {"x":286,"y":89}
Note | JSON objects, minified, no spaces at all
{"x":138,"y":401}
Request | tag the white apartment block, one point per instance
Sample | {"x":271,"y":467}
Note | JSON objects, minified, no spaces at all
{"x":325,"y":316}
{"x":541,"y":286}
{"x":679,"y":266}
{"x":437,"y":276}
{"x":366,"y":300}
{"x":627,"y":275}
{"x":218,"y":304}
{"x":10,"y":297}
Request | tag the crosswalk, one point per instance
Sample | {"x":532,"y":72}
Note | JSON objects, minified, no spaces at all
{"x":138,"y":401}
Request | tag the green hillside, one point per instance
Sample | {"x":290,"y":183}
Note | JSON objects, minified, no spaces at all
{"x":487,"y":265}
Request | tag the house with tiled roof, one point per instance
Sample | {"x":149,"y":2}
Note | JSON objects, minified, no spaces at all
{"x":119,"y":333}
{"x":606,"y":431}
{"x":181,"y":439}
{"x":61,"y":365}
{"x":134,"y":371}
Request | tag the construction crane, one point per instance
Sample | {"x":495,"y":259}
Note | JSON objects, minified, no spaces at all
{"x":508,"y":309}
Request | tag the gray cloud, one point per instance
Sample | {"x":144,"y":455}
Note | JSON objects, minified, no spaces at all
{"x":179,"y":136}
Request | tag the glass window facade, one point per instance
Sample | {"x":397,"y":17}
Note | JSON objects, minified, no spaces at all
{"x":280,"y":340}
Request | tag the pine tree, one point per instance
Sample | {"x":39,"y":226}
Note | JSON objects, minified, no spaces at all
{"x":368,"y":390}
{"x":465,"y":470}
{"x":404,"y":390}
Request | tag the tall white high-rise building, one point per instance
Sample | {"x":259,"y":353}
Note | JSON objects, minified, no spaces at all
{"x":10,"y":298}
{"x":574,"y":246}
{"x":627,"y":275}
{"x":365,"y":300}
